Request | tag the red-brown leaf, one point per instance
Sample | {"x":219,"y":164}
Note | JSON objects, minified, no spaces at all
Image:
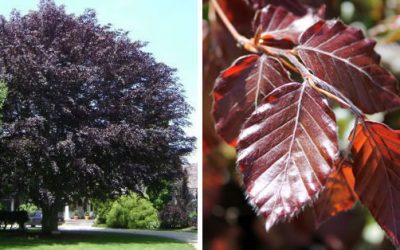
{"x":239,"y":88}
{"x":286,"y":150}
{"x":281,"y":28}
{"x":341,"y":56}
{"x":376,"y":169}
{"x":338,"y":195}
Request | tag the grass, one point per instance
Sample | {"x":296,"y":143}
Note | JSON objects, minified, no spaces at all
{"x":186,"y":229}
{"x":87,"y":241}
{"x":100,"y":225}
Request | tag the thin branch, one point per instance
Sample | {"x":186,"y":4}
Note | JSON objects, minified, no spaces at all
{"x":251,"y":45}
{"x":242,"y":40}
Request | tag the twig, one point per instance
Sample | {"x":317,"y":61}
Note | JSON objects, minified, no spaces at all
{"x":242,"y":40}
{"x":251,"y":45}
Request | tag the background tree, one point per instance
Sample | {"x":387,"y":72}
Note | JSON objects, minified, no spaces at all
{"x":160,"y":194}
{"x":3,"y":94}
{"x":175,"y":213}
{"x":88,"y":112}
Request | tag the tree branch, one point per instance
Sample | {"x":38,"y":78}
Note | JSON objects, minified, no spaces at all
{"x":242,"y":40}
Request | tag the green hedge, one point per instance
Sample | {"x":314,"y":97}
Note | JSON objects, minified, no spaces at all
{"x":132,"y":211}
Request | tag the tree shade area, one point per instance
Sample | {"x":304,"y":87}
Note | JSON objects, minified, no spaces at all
{"x":88,"y":112}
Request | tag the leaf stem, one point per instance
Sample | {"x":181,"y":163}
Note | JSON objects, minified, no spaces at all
{"x":328,"y":94}
{"x":322,"y":86}
{"x":290,"y":66}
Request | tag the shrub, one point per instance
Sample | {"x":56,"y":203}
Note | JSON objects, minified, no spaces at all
{"x":132,"y":211}
{"x":101,"y":209}
{"x":173,"y":216}
{"x":28,"y":207}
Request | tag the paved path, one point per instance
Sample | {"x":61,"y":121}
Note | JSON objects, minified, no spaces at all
{"x":87,"y":226}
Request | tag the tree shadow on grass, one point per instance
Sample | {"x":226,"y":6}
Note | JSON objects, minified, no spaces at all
{"x":26,"y":240}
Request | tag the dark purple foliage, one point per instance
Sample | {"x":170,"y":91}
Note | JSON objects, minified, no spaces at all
{"x":88,"y":112}
{"x":173,"y":216}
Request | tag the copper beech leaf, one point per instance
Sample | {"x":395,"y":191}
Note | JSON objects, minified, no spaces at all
{"x":239,"y":88}
{"x":281,"y":28}
{"x":376,"y":168}
{"x":338,"y":196}
{"x":341,"y":56}
{"x":286,"y":149}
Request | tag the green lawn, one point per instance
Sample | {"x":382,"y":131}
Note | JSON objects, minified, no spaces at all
{"x":86,"y":241}
{"x":186,"y":229}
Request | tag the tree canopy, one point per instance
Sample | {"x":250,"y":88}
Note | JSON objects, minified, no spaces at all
{"x":88,"y":112}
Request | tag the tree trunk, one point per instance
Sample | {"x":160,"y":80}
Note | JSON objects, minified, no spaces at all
{"x":50,"y":219}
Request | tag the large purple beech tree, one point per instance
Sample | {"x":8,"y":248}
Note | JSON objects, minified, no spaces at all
{"x":88,"y":113}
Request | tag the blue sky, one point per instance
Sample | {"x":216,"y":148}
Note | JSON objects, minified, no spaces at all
{"x":170,"y":27}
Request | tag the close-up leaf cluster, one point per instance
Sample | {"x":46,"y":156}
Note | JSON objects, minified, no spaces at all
{"x":275,"y":105}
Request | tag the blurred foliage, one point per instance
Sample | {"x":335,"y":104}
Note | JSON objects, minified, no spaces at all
{"x":229,"y":222}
